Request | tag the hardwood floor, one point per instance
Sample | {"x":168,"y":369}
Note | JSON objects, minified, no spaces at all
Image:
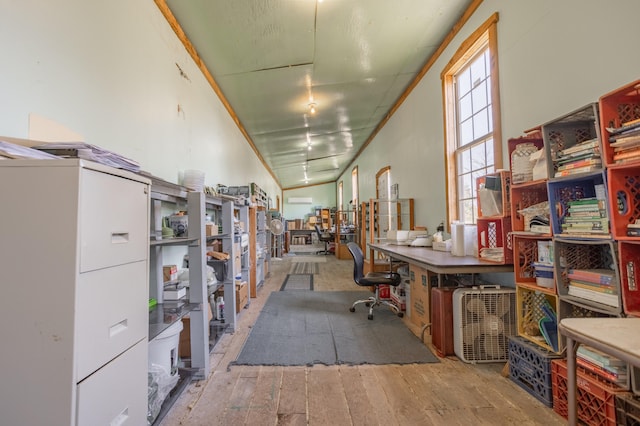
{"x":447,"y":393}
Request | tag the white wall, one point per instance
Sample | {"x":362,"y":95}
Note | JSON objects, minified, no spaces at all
{"x":107,"y":70}
{"x":554,"y":57}
{"x":322,"y":196}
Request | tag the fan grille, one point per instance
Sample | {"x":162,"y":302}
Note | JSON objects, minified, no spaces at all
{"x":483,"y":321}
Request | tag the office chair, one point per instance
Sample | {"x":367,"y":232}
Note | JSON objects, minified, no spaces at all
{"x":324,"y":237}
{"x":372,"y":279}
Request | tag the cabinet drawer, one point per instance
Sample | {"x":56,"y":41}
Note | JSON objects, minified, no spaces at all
{"x":112,"y":315}
{"x":117,"y":393}
{"x":114,"y":226}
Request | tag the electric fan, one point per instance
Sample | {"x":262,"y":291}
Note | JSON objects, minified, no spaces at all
{"x":483,"y":320}
{"x":276,"y":226}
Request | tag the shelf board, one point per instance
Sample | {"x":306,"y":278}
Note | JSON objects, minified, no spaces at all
{"x":176,"y":241}
{"x":163,"y":315}
{"x":534,"y":287}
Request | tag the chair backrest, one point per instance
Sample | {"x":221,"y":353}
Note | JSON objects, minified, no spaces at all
{"x":318,"y":231}
{"x":358,"y":261}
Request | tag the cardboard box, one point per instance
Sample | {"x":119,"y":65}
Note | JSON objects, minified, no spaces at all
{"x":398,"y":296}
{"x":184,"y":347}
{"x":384,"y":292}
{"x":175,"y":294}
{"x":420,"y":290}
{"x":242,"y":295}
{"x":211,"y":229}
{"x":170,"y":272}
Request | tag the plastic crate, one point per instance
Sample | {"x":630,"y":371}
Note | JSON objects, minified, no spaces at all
{"x":523,"y":196}
{"x":569,"y":130}
{"x":565,"y":190}
{"x":616,"y":108}
{"x":525,"y":255}
{"x":498,"y":201}
{"x":624,"y":200}
{"x":627,"y":409}
{"x":530,"y":368}
{"x":518,"y":178}
{"x":529,"y":312}
{"x":494,"y":235}
{"x":629,"y":253}
{"x":572,"y":254}
{"x":595,"y":397}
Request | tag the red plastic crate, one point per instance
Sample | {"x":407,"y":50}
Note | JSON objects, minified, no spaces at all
{"x":523,"y":196}
{"x":629,"y":253}
{"x":525,"y":254}
{"x":627,"y":410}
{"x":505,"y":190}
{"x":624,"y":200}
{"x":495,"y":234}
{"x":617,"y":107}
{"x":513,"y":143}
{"x":595,"y":397}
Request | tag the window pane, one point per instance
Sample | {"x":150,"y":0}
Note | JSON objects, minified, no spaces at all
{"x":489,"y":150}
{"x":464,"y":162}
{"x":466,"y":211}
{"x":466,"y":132}
{"x":479,"y":94}
{"x":465,"y":107}
{"x":480,"y":124}
{"x":477,"y":157}
{"x":487,"y":62}
{"x":465,"y":186}
{"x":478,"y":70}
{"x":464,"y":82}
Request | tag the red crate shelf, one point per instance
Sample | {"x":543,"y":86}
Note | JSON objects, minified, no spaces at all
{"x":629,"y":253}
{"x":624,"y":200}
{"x":494,"y":235}
{"x":503,"y":200}
{"x":617,"y":108}
{"x":523,"y":196}
{"x":512,"y":144}
{"x":595,"y":397}
{"x":525,"y":254}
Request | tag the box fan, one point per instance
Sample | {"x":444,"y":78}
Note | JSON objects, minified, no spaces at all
{"x":483,"y":319}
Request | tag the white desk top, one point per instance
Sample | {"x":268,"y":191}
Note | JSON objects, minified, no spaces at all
{"x":618,"y":336}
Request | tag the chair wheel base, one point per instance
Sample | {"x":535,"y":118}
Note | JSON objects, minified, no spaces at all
{"x":352,"y":309}
{"x":370,"y":317}
{"x":367,"y":304}
{"x":400,"y":314}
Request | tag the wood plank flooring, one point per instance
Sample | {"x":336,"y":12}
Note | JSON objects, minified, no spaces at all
{"x":446,"y":393}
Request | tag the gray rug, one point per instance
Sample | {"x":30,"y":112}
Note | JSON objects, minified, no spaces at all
{"x":316,"y":327}
{"x":304,"y":268}
{"x":297,"y":282}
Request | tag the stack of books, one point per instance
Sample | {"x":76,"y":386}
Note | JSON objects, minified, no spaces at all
{"x":625,"y":141}
{"x":583,"y":157}
{"x":604,"y":365}
{"x":597,"y":285}
{"x":586,"y":216}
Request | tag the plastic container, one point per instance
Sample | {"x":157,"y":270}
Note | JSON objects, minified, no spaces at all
{"x":163,"y":350}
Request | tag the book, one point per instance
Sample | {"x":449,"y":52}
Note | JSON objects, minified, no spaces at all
{"x":594,"y":296}
{"x":602,"y":288}
{"x":598,"y":357}
{"x":594,"y":275}
{"x":582,"y":146}
{"x":620,"y":379}
{"x":577,"y":170}
{"x":580,"y":163}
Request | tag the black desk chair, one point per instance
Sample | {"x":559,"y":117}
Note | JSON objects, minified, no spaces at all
{"x":372,"y":279}
{"x":324,"y":237}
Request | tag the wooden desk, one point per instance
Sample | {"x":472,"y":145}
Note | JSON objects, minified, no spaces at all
{"x":440,"y":262}
{"x":618,"y":337}
{"x":301,"y":233}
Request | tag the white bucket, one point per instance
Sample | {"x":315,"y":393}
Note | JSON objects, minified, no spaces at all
{"x":163,"y":350}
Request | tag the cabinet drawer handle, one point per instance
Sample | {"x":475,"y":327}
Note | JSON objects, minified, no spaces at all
{"x":119,"y":237}
{"x":118,"y":328}
{"x":121,"y":418}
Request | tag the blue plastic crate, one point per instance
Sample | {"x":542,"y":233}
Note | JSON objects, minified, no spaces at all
{"x":530,"y":368}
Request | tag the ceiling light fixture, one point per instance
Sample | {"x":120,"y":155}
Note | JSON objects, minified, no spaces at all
{"x":312,"y":108}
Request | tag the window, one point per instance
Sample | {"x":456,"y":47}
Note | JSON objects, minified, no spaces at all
{"x":340,"y":198}
{"x":472,"y":116}
{"x":353,"y":204}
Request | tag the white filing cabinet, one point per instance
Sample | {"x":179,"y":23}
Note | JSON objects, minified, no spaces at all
{"x":74,"y":247}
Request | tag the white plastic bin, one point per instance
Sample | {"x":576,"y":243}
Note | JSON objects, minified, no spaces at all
{"x":163,"y":350}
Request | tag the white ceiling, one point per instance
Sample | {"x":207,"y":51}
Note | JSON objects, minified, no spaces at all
{"x":272,"y":58}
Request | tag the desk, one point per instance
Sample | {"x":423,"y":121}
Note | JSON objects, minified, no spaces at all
{"x":307,"y":233}
{"x":618,"y":337}
{"x":440,"y":262}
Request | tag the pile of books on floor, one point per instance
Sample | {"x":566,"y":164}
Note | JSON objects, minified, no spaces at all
{"x":602,"y":364}
{"x":583,"y":157}
{"x":586,"y":216}
{"x":597,"y":285}
{"x":625,"y":141}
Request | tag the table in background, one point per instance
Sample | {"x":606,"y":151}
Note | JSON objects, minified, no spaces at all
{"x":306,"y":233}
{"x":618,"y":337}
{"x":440,"y":262}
